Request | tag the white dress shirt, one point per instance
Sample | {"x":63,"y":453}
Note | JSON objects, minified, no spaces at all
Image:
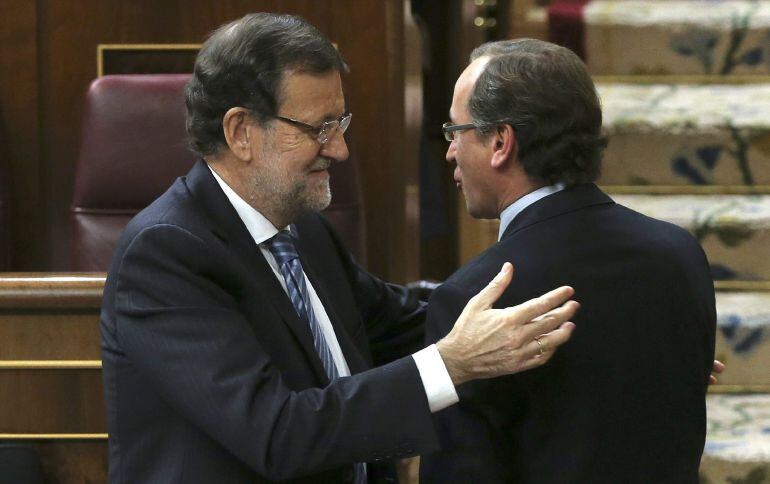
{"x":433,"y":373}
{"x":511,"y":211}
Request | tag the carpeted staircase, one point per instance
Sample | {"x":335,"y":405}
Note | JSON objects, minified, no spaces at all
{"x":685,"y":88}
{"x":689,"y":129}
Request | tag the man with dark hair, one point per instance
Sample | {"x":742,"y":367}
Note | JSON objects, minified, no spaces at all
{"x":624,"y":401}
{"x":233,"y":318}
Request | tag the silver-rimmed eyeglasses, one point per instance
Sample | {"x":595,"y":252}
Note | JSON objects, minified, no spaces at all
{"x":325,"y":131}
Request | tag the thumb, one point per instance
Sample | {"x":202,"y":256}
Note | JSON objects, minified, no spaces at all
{"x":492,"y":292}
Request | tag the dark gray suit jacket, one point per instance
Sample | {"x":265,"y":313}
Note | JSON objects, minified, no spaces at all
{"x":624,"y":399}
{"x":210,"y":376}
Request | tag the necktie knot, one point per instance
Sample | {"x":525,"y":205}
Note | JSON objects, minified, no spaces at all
{"x":281,"y":245}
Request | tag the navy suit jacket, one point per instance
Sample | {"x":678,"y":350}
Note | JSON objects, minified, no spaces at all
{"x":624,"y":399}
{"x":209,"y":374}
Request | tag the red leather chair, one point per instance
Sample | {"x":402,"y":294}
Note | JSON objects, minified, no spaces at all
{"x":132,"y":149}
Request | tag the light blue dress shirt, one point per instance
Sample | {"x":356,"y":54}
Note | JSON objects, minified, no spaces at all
{"x":511,"y":211}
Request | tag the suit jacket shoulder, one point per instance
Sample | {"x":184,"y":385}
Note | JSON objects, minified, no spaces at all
{"x":624,"y":399}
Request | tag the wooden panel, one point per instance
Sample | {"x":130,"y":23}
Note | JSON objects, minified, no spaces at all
{"x":48,"y":326}
{"x":19,"y":133}
{"x":49,"y":335}
{"x":54,"y":401}
{"x":50,"y":316}
{"x":46,"y":322}
{"x":443,"y":64}
{"x":145,"y":58}
{"x":413,"y":116}
{"x":70,"y":461}
{"x":375,"y":93}
{"x":27,"y":290}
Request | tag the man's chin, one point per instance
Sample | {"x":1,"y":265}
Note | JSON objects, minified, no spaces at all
{"x":320,"y":199}
{"x":476,"y":213}
{"x":470,"y":208}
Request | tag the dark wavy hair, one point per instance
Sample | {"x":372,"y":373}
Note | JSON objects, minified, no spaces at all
{"x":546,"y":94}
{"x":242,"y":64}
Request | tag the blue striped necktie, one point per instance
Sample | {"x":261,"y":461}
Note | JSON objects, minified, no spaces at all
{"x":282,"y":247}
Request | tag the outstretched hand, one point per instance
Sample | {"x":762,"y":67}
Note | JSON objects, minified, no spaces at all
{"x":486,"y":342}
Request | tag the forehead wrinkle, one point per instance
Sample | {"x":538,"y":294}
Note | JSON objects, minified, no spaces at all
{"x":286,"y":74}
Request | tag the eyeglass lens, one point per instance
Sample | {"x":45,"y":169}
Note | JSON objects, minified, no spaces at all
{"x":329,"y":127}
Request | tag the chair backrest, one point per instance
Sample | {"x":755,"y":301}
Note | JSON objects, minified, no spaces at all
{"x":133,"y":147}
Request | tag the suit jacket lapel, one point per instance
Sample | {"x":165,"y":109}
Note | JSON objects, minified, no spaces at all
{"x":355,"y":361}
{"x":228,"y":227}
{"x":564,"y":201}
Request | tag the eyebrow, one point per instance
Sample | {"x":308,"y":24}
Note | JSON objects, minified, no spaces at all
{"x":332,"y":117}
{"x":316,"y":122}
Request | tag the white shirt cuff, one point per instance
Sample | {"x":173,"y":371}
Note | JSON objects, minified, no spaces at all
{"x":435,"y":378}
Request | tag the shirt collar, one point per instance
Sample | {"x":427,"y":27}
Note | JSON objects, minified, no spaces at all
{"x":511,"y":211}
{"x":260,"y":228}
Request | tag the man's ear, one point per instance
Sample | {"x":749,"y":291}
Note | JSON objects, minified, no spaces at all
{"x":238,"y":132}
{"x":504,"y":145}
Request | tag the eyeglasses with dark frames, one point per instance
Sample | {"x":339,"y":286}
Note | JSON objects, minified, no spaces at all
{"x":325,"y":131}
{"x":450,"y":129}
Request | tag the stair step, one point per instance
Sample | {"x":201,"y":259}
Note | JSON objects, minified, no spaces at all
{"x":686,"y":134}
{"x":743,"y":338}
{"x":737,"y":440}
{"x":677,"y":37}
{"x":734,"y":230}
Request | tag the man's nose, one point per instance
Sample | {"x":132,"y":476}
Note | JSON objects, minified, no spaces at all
{"x":450,"y":152}
{"x":336,"y":147}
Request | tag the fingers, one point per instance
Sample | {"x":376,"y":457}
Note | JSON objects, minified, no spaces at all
{"x":538,"y":306}
{"x":492,"y":292}
{"x":550,"y":320}
{"x":717,"y":368}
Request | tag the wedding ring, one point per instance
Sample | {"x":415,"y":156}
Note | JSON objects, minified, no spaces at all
{"x":541,"y":347}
